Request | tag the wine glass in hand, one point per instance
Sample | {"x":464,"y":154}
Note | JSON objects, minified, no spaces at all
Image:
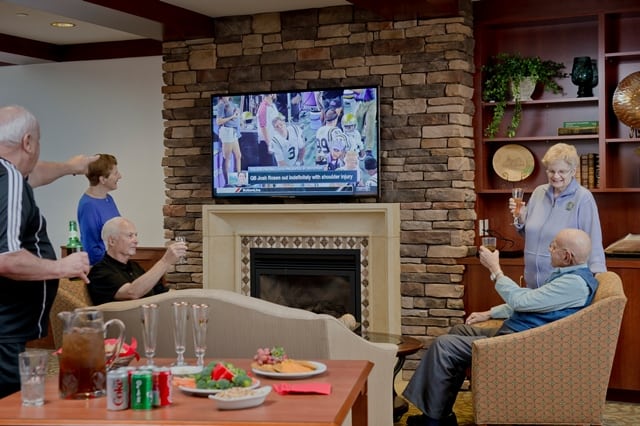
{"x":517,"y":194}
{"x":183,"y":259}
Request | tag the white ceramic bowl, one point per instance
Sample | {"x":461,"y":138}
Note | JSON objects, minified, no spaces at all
{"x":238,"y":398}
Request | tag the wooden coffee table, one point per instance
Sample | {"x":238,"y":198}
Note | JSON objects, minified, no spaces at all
{"x":406,"y":346}
{"x":348,"y":381}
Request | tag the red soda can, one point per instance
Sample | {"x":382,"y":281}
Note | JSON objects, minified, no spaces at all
{"x":162,"y":378}
{"x":117,"y":390}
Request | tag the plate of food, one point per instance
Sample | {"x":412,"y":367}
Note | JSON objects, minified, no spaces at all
{"x":238,"y":398}
{"x":205,"y":392}
{"x":216,"y":377}
{"x":290,"y":369}
{"x":275,"y":363}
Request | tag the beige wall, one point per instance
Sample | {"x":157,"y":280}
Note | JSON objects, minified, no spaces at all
{"x":84,"y":107}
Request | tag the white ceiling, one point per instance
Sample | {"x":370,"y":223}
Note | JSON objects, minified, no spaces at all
{"x":217,"y":8}
{"x":30,"y":19}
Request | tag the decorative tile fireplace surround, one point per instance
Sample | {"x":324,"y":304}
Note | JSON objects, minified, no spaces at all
{"x":230,"y":231}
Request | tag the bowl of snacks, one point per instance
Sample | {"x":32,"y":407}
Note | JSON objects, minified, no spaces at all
{"x":127,"y":352}
{"x":239,"y":398}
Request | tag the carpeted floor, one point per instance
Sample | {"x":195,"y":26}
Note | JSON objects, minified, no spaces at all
{"x":616,"y":413}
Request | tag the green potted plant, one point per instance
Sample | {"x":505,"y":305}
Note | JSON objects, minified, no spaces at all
{"x":502,"y":78}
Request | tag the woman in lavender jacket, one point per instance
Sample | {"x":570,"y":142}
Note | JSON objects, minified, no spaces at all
{"x":561,"y":203}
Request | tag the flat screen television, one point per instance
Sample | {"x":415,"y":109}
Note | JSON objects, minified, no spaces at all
{"x":321,"y":144}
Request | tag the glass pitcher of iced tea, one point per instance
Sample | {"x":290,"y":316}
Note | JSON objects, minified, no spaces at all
{"x":83,"y":361}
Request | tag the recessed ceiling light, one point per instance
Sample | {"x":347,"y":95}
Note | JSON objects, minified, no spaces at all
{"x":22,"y":14}
{"x":63,"y":24}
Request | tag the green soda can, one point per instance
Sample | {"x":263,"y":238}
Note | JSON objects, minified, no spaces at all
{"x":142,"y":390}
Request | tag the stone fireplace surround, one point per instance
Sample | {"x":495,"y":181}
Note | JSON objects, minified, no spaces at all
{"x":229,"y":231}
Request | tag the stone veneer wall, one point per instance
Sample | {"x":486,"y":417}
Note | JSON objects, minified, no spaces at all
{"x":424,"y":69}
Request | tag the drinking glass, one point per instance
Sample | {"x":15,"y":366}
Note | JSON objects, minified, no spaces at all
{"x":149,"y":330}
{"x":183,"y":259}
{"x":489,"y":242}
{"x":200,"y":319}
{"x":33,"y":370}
{"x":180,"y":310}
{"x":517,"y":194}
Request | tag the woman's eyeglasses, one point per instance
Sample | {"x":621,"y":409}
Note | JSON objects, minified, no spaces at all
{"x":561,"y":173}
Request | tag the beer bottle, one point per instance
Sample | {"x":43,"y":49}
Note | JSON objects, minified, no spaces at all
{"x":73,"y":242}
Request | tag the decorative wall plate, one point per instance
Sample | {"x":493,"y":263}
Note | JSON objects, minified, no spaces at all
{"x":626,"y":100}
{"x":513,"y":162}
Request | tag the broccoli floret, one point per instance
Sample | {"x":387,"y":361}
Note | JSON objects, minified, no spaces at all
{"x":242,"y":380}
{"x":222,"y":384}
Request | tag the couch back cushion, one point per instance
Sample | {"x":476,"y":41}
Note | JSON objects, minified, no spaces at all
{"x":238,"y":325}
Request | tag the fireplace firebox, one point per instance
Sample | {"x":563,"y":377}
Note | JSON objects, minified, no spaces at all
{"x":323,"y":281}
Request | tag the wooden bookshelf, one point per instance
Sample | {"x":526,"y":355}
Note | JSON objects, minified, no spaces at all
{"x":559,"y":31}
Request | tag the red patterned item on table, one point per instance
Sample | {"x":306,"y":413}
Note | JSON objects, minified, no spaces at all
{"x":126,"y":350}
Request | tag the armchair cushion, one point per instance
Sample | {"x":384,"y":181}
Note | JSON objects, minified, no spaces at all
{"x":72,"y":294}
{"x":554,"y":374}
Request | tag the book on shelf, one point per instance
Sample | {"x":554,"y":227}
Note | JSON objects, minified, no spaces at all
{"x":628,"y":245}
{"x":578,"y":124}
{"x":564,"y":131}
{"x":589,"y":170}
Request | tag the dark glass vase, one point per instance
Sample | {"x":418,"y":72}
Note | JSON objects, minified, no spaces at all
{"x":584,"y":74}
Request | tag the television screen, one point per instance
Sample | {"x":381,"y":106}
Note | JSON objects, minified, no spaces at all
{"x":296,"y":144}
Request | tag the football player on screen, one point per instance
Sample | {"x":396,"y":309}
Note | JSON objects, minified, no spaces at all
{"x":337,"y":151}
{"x":287,"y":143}
{"x":354,"y":138}
{"x":328,"y":136}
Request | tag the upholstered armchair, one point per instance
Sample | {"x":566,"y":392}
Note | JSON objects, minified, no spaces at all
{"x":72,"y":294}
{"x":554,"y":374}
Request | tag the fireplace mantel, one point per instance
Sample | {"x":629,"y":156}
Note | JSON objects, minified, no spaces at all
{"x":225,"y":226}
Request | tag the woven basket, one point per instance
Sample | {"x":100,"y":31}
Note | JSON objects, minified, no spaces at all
{"x":626,"y":100}
{"x":122,"y":361}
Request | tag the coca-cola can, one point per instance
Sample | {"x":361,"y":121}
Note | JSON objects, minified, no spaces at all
{"x":117,"y":390}
{"x":162,"y":378}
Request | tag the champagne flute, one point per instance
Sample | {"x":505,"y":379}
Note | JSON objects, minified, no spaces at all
{"x":517,"y":194}
{"x":200,"y":320}
{"x":180,"y":310}
{"x":149,"y":330}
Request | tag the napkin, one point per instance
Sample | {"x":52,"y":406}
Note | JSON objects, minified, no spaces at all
{"x":300,"y":388}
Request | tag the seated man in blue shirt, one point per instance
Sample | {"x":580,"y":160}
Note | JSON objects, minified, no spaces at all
{"x":116,"y":277}
{"x":570,"y":287}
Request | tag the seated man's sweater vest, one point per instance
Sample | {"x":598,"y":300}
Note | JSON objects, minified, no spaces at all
{"x":521,"y":321}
